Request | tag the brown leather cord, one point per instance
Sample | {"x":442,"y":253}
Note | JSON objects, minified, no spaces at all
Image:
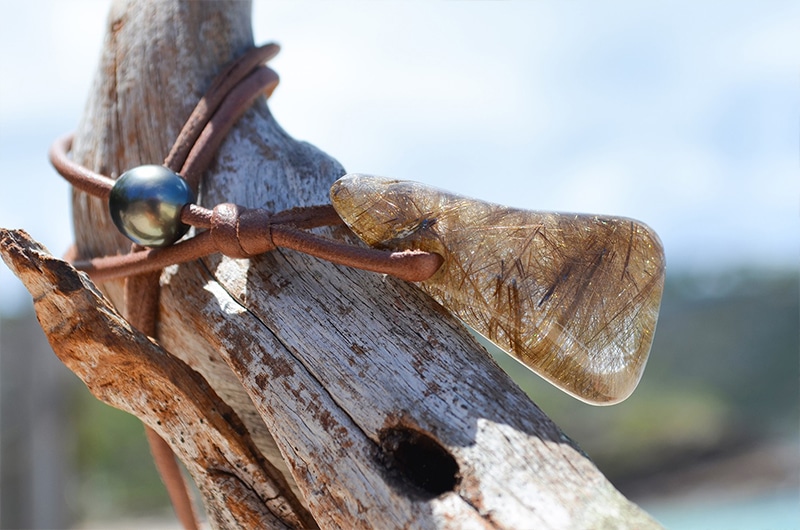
{"x":171,"y":476}
{"x":216,"y":93}
{"x":229,"y":238}
{"x":260,"y":81}
{"x":141,"y":309}
{"x":142,"y":291}
{"x":241,"y":239}
{"x":207,"y":126}
{"x":230,"y":229}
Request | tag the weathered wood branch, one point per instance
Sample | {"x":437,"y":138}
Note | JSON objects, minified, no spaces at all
{"x":378,"y":408}
{"x":126,"y":369}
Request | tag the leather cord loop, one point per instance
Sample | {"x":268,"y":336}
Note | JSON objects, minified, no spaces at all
{"x":233,"y":230}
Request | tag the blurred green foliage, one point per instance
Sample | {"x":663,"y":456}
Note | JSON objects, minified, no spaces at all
{"x":722,"y":373}
{"x":116,"y":473}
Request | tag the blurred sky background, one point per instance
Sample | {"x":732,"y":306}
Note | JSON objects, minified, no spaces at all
{"x":681,"y":114}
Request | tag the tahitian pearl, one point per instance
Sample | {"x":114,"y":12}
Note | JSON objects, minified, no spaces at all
{"x":146,"y":202}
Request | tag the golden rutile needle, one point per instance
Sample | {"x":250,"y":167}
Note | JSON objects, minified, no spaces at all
{"x":573,"y":297}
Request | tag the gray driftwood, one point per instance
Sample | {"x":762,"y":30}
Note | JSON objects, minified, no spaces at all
{"x":346,"y":382}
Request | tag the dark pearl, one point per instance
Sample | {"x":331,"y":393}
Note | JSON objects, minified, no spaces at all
{"x":146,"y":202}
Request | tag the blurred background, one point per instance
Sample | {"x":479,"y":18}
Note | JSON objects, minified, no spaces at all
{"x":682,"y":114}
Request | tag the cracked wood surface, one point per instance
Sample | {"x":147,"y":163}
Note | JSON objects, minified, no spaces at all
{"x":126,"y":369}
{"x":315,"y":359}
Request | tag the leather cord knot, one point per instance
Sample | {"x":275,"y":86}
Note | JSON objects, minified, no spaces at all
{"x":225,"y":230}
{"x":239,"y":232}
{"x":233,"y":230}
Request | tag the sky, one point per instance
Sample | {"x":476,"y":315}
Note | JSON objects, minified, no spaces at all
{"x":683,"y":115}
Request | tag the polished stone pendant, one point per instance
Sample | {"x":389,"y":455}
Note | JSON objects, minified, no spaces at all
{"x":146,"y":203}
{"x":575,"y":298}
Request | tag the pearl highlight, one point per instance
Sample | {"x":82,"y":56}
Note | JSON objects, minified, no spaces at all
{"x":146,"y":203}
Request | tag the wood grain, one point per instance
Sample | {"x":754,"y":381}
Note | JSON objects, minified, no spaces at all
{"x":126,"y":369}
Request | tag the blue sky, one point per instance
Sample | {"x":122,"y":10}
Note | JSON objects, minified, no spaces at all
{"x":681,"y":114}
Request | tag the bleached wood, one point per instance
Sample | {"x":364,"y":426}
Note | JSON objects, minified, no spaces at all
{"x":316,"y":359}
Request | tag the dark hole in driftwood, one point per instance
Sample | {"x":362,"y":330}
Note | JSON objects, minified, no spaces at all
{"x":419,"y":460}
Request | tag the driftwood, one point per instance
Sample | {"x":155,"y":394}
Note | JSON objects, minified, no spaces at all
{"x":300,"y":392}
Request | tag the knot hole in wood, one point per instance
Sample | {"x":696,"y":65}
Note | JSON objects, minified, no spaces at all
{"x":419,"y":461}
